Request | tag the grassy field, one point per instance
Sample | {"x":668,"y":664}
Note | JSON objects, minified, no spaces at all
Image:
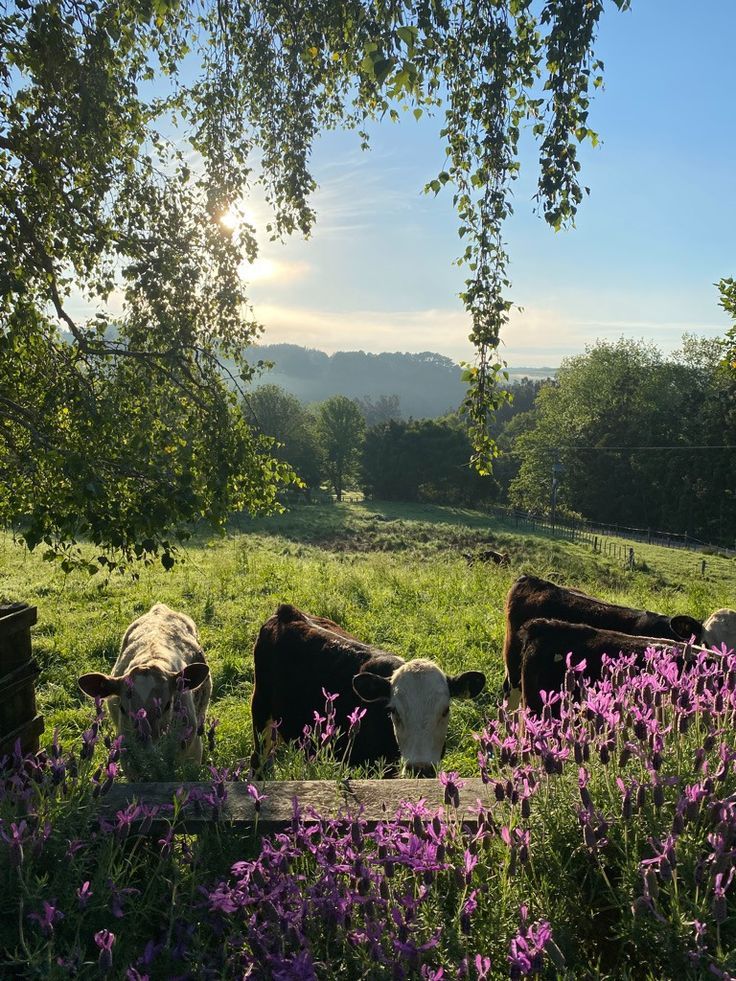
{"x":392,"y":574}
{"x":605,"y":853}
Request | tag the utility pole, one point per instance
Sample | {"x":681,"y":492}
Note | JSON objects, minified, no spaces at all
{"x":557,"y":469}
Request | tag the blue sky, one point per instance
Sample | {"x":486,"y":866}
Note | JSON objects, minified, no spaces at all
{"x":651,"y":240}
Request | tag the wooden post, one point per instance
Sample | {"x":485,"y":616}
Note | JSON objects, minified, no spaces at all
{"x":18,"y":673}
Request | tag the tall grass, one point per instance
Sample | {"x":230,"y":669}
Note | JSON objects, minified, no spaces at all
{"x":343,"y":562}
{"x":608,"y":854}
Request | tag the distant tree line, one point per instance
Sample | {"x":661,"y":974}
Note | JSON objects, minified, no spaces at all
{"x":429,"y":384}
{"x":628,"y":435}
{"x":364,"y":444}
{"x":634,"y":438}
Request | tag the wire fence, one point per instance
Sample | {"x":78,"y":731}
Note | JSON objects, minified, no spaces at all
{"x":599,"y":536}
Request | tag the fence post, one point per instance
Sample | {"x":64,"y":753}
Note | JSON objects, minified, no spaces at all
{"x":702,"y":567}
{"x":18,"y":717}
{"x":631,"y":558}
{"x":595,"y":543}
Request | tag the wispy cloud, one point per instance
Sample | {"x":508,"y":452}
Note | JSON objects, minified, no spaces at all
{"x":443,"y":331}
{"x":535,"y":336}
{"x":274,"y":271}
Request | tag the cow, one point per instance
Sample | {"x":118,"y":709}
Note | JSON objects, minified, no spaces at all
{"x":160,"y":667}
{"x":487,"y":555}
{"x":546,"y":643}
{"x":530,"y":598}
{"x":298,"y":657}
{"x":720,"y":629}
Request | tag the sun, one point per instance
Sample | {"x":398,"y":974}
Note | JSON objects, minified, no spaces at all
{"x":230,"y":219}
{"x":235,"y":216}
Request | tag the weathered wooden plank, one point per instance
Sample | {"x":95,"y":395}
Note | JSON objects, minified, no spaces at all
{"x":18,"y":671}
{"x":377,"y":800}
{"x":27,"y":732}
{"x":16,"y":621}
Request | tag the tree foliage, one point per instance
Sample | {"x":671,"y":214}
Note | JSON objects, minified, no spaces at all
{"x":422,"y":460}
{"x":378,"y":410}
{"x":341,"y":430}
{"x":638,"y":439}
{"x":275,"y":413}
{"x":727,"y":289}
{"x":104,"y":104}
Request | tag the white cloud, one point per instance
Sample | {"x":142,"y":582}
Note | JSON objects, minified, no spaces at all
{"x":269,"y":270}
{"x":535,"y":336}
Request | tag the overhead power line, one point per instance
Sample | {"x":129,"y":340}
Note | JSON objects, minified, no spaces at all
{"x":679,"y":447}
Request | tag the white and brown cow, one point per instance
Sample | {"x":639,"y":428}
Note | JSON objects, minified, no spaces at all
{"x":298,"y":657}
{"x":161,"y":667}
{"x":720,"y":629}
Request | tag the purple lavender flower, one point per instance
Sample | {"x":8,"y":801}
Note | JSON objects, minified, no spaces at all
{"x":468,"y":908}
{"x":453,"y":785}
{"x":105,"y":940}
{"x":48,"y":919}
{"x":355,"y":717}
{"x":84,"y":894}
{"x":719,"y":895}
{"x":16,"y":839}
{"x":482,"y":966}
{"x":257,"y":796}
{"x":526,"y":954}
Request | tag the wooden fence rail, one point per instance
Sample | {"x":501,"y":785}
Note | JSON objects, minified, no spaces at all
{"x":18,"y":673}
{"x":375,"y":800}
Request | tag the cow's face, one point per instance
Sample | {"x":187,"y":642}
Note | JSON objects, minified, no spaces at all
{"x":685,"y":627}
{"x":417,"y":696}
{"x":720,"y":628}
{"x":152,"y":690}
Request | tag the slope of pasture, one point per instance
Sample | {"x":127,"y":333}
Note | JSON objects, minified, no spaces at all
{"x":392,"y":574}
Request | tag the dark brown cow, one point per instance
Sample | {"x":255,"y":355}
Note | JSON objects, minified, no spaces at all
{"x":297,"y":656}
{"x":532,"y":598}
{"x":487,"y":555}
{"x":545,"y":645}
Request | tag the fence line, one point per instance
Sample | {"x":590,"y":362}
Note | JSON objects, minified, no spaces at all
{"x":598,"y":535}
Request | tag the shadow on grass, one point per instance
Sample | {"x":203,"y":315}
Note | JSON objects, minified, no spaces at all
{"x":368,"y":520}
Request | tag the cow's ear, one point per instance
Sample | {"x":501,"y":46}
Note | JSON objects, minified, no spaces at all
{"x":371,"y":687}
{"x":466,"y":685}
{"x":685,"y":627}
{"x":193,"y":676}
{"x":98,"y":685}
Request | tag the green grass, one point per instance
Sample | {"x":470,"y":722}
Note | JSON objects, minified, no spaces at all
{"x":395,"y":576}
{"x":392,"y":574}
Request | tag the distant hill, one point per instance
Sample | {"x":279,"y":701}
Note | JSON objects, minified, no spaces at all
{"x":427,"y":384}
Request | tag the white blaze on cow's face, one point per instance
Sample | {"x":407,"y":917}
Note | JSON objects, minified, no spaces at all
{"x":720,"y":628}
{"x":420,"y":711}
{"x":417,"y":696}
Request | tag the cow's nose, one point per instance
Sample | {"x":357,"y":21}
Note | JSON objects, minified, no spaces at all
{"x":420,"y":769}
